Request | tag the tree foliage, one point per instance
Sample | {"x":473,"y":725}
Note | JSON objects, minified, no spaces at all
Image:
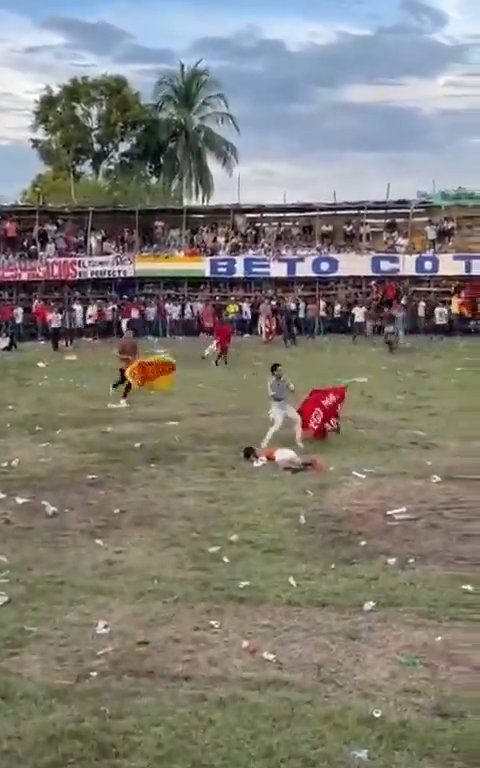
{"x":98,"y":139}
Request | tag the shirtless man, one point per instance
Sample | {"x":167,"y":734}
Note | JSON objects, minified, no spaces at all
{"x":285,"y":458}
{"x":127,"y":352}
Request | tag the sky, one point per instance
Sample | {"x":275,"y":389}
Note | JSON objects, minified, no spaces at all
{"x":332,"y":96}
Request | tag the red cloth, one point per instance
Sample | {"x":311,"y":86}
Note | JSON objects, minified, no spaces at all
{"x":320,"y":411}
{"x":223,"y":335}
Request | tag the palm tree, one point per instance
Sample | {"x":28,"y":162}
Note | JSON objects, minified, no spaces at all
{"x":190,"y":105}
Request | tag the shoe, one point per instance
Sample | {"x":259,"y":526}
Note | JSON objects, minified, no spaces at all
{"x":124,"y":404}
{"x":300,"y":444}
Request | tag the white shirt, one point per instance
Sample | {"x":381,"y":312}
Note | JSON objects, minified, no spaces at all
{"x":78,"y":309}
{"x":441,"y":316}
{"x":421,"y":309}
{"x":134,"y":313}
{"x":18,"y":315}
{"x":92,"y":314}
{"x":301,"y":309}
{"x":431,"y":231}
{"x":246,"y":311}
{"x":323,"y":308}
{"x":359,"y":314}
{"x":337,"y":310}
{"x":55,"y":320}
{"x":176,"y":312}
{"x":151,"y":313}
{"x":188,"y":311}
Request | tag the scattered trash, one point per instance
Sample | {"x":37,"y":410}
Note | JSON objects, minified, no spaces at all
{"x":70,"y":357}
{"x":391,"y":560}
{"x":102,"y":628}
{"x":250,"y":647}
{"x":243,"y":584}
{"x":118,"y":511}
{"x":354,"y":381}
{"x":2,"y":495}
{"x":377,"y":713}
{"x":4,"y":464}
{"x":332,"y":567}
{"x":370,"y":471}
{"x":14,"y":463}
{"x":439,"y":639}
{"x":58,"y":432}
{"x":234,"y":538}
{"x":369,"y":606}
{"x":412,"y":662}
{"x":4,"y":599}
{"x":173,"y":423}
{"x":359,"y":475}
{"x":418,"y":432}
{"x":363,"y":543}
{"x":359,"y":754}
{"x":92,"y":477}
{"x":45,"y":445}
{"x":41,"y":364}
{"x":411,"y":560}
{"x":213,"y":550}
{"x":3,"y":559}
{"x":468,"y":588}
{"x":269,"y":657}
{"x":225,"y":559}
{"x":99,"y":542}
{"x":309,"y":493}
{"x":138,"y":445}
{"x":292,"y":582}
{"x":93,"y":674}
{"x":436,"y":479}
{"x":50,"y":510}
{"x":104,"y":651}
{"x":398,"y":511}
{"x":20,"y":500}
{"x":215,"y":624}
{"x":302,"y":519}
{"x":38,"y":429}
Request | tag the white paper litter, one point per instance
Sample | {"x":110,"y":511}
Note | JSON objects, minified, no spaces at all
{"x":3,"y":559}
{"x":50,"y":510}
{"x":92,"y":477}
{"x":468,"y":588}
{"x":369,"y":606}
{"x":359,"y":475}
{"x":215,"y":624}
{"x":359,"y":754}
{"x":269,"y":657}
{"x":172,"y":423}
{"x":138,"y":445}
{"x":354,"y":381}
{"x":234,"y":538}
{"x":243,"y":584}
{"x":398,"y":511}
{"x":436,"y":479}
{"x":2,"y":495}
{"x":391,"y":560}
{"x":302,"y":519}
{"x":292,"y":582}
{"x":14,"y":463}
{"x":99,"y":542}
{"x":377,"y":713}
{"x":21,"y":500}
{"x":102,"y":628}
{"x":225,"y":559}
{"x":4,"y":599}
{"x":363,"y":543}
{"x":213,"y":550}
{"x":41,"y":364}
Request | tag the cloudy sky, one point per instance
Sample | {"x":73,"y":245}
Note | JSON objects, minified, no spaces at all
{"x":342,"y":95}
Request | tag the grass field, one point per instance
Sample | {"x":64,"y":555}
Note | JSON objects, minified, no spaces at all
{"x":141,"y":502}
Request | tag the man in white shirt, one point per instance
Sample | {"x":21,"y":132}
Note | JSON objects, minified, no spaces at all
{"x":79,"y":317}
{"x":91,"y":320}
{"x":55,"y":324}
{"x":151,"y":319}
{"x":431,"y":232}
{"x":175,"y":317}
{"x":441,"y":320}
{"x":359,"y":315}
{"x":18,"y":322}
{"x":302,"y":312}
{"x":322,"y":315}
{"x":246,"y":310}
{"x":421,"y":312}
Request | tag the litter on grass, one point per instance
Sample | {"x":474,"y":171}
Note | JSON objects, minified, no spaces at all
{"x":102,"y":628}
{"x":369,"y":606}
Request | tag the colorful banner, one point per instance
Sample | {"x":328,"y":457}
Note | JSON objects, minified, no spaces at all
{"x":165,"y":265}
{"x":66,"y":270}
{"x":345,"y":265}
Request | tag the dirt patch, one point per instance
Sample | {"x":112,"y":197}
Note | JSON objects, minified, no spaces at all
{"x":445,"y":529}
{"x":370,"y":656}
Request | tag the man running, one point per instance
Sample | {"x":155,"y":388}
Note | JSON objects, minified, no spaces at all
{"x":127,"y":353}
{"x":280,"y":409}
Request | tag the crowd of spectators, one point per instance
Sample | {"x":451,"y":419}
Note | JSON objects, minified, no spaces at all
{"x":173,"y":314}
{"x":56,"y":237}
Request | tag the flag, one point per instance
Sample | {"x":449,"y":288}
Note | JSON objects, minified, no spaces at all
{"x":154,"y":373}
{"x":320,"y":411}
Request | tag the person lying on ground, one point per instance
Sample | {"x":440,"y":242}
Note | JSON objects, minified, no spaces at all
{"x":285,"y":458}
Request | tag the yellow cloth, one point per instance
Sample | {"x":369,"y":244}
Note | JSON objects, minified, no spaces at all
{"x":154,"y":373}
{"x":455,"y":305}
{"x":232,"y":309}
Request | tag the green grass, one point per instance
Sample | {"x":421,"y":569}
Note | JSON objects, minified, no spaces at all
{"x":165,"y":687}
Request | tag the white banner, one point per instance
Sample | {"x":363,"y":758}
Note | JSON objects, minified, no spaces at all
{"x":382,"y":265}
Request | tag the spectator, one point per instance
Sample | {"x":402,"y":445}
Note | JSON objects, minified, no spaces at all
{"x":431,"y":232}
{"x":18,"y":316}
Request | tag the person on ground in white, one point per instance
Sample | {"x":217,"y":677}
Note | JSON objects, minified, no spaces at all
{"x":359,"y":315}
{"x":280,"y":409}
{"x":284,"y":458}
{"x":441,"y":320}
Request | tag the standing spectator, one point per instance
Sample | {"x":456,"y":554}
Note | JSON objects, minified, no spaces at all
{"x":440,"y":315}
{"x":161,"y":319}
{"x":151,"y":327}
{"x":12,"y":233}
{"x":431,"y":231}
{"x":322,"y":317}
{"x":455,"y":310}
{"x":91,"y":320}
{"x":399,"y":315}
{"x":18,"y":315}
{"x":208,"y":318}
{"x":79,"y":317}
{"x":359,"y":314}
{"x":312,"y":318}
{"x":338,"y":317}
{"x":302,"y":311}
{"x":188,"y":318}
{"x":421,"y":314}
{"x":349,"y":234}
{"x":55,"y":323}
{"x":246,"y":317}
{"x":68,"y":324}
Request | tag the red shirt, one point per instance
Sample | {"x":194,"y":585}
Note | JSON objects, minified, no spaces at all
{"x":390,"y":291}
{"x":223,"y":334}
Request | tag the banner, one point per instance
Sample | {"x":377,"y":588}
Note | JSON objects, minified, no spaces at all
{"x":165,"y":265}
{"x":66,"y":270}
{"x":345,"y":265}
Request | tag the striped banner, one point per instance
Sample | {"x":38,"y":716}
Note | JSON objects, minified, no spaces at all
{"x":164,"y":265}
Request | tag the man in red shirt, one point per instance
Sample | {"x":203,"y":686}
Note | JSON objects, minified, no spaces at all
{"x":223,"y":337}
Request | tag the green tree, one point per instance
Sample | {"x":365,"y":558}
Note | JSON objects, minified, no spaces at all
{"x":133,"y":189}
{"x":189,"y":107}
{"x":86,"y":124}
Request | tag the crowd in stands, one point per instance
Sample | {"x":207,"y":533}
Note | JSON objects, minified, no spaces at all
{"x":173,"y":314}
{"x":56,"y":237}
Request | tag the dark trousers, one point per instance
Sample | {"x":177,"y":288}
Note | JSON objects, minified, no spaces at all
{"x":55,"y":338}
{"x":122,"y":379}
{"x":69,"y":336}
{"x":12,"y":343}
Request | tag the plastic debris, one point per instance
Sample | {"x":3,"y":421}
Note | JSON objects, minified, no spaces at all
{"x":104,"y":651}
{"x":213,"y":550}
{"x":391,"y":560}
{"x":234,"y":538}
{"x":4,"y":464}
{"x":363,"y":543}
{"x":377,"y":713}
{"x":118,"y":511}
{"x":309,"y":493}
{"x":3,"y":559}
{"x":45,"y":445}
{"x":302,"y":519}
{"x":50,"y":510}
{"x":173,"y":423}
{"x":225,"y":559}
{"x":292,"y":582}
{"x":369,"y":606}
{"x":411,"y":560}
{"x":92,"y":477}
{"x":398,"y":511}
{"x":4,"y":599}
{"x":215,"y":624}
{"x":41,"y":364}
{"x":468,"y":588}
{"x":332,"y":567}
{"x":2,"y":495}
{"x":439,"y":639}
{"x":102,"y":628}
{"x":70,"y":357}
{"x":243,"y":584}
{"x":360,"y":754}
{"x":20,"y":500}
{"x":436,"y":479}
{"x":99,"y":542}
{"x":359,"y":475}
{"x":138,"y":445}
{"x":412,"y":662}
{"x":354,"y":381}
{"x":269,"y":657}
{"x":14,"y":463}
{"x":250,"y":647}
